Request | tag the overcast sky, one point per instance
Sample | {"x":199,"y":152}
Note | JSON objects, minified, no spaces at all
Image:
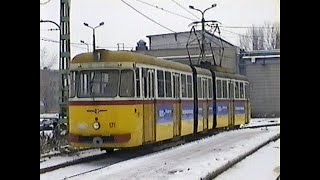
{"x":122,"y":24}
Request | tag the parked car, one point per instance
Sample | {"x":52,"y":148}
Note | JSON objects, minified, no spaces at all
{"x":48,"y":124}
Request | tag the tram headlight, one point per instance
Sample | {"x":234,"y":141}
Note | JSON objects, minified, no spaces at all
{"x":96,"y":125}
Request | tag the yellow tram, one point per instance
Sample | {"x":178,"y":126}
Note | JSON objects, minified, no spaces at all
{"x":122,"y":99}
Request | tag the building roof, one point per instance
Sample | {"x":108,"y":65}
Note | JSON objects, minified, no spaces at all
{"x":261,"y":54}
{"x":189,"y":32}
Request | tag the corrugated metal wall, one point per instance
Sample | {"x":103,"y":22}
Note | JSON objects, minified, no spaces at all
{"x":264,"y":77}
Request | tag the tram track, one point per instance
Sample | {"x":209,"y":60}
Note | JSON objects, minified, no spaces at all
{"x":122,"y":155}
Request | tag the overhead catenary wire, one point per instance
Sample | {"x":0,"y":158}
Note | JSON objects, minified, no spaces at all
{"x":77,"y":45}
{"x":150,"y":18}
{"x":250,"y":36}
{"x":246,"y":27}
{"x":167,"y":10}
{"x":185,"y":9}
{"x":139,"y":13}
{"x":80,"y":44}
{"x":146,"y":16}
{"x":52,"y":29}
{"x":43,"y":3}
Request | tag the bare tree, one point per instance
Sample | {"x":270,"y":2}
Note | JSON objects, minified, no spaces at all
{"x":272,"y":35}
{"x":277,"y":44}
{"x":259,"y":38}
{"x":245,"y":43}
{"x":253,"y":39}
{"x":49,"y":81}
{"x":47,"y":60}
{"x":49,"y":89}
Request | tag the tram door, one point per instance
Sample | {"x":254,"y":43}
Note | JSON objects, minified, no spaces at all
{"x":205,"y":103}
{"x":148,"y":87}
{"x":177,"y":105}
{"x":246,"y":87}
{"x":231,"y":103}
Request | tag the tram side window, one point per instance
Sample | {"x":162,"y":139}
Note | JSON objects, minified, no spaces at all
{"x":160,"y":79}
{"x":176,"y":85}
{"x":225,"y":89}
{"x":127,"y":83}
{"x":183,"y":85}
{"x":168,"y":84}
{"x":247,"y":91}
{"x":218,"y":89}
{"x":73,"y":76}
{"x":241,"y":91}
{"x":237,"y":90}
{"x":199,"y":87}
{"x":210,"y":88}
{"x":144,"y":81}
{"x":151,"y":78}
{"x":205,"y":88}
{"x":189,"y":84}
{"x":138,"y":82}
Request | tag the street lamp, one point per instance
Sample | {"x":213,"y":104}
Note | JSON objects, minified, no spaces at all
{"x":203,"y":22}
{"x":43,"y":21}
{"x":202,"y":12}
{"x":94,"y":36}
{"x":81,"y":41}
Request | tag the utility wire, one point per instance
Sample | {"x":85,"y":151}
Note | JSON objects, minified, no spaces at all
{"x":146,"y":16}
{"x":45,"y":2}
{"x":166,"y":10}
{"x":245,"y":27}
{"x":185,"y":9}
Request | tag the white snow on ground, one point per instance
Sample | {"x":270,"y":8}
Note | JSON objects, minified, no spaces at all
{"x":263,"y":165}
{"x":190,"y":161}
{"x":48,"y":154}
{"x":49,"y":115}
{"x":72,"y":170}
{"x":55,"y":160}
{"x":61,"y":173}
